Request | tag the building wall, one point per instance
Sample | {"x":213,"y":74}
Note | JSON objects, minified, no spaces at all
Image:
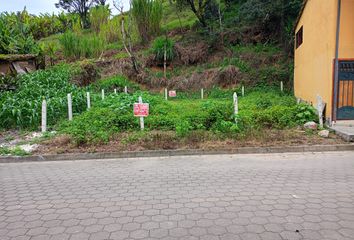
{"x":346,"y":37}
{"x":313,"y":73}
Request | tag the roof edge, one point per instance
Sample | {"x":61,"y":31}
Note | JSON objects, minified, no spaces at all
{"x":300,"y":14}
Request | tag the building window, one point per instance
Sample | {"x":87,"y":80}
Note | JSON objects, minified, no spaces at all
{"x":299,"y":37}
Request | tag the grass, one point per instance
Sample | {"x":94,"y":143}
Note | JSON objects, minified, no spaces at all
{"x":16,"y":151}
{"x":171,"y":20}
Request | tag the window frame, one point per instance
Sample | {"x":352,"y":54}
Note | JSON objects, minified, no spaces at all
{"x":299,"y":38}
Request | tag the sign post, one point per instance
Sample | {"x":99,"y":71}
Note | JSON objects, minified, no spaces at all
{"x":243,"y":91}
{"x":102,"y":94}
{"x":141,"y":110}
{"x":172,"y":93}
{"x":166,"y":96}
{"x":202,"y":93}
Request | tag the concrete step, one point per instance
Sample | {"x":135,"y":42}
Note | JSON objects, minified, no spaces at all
{"x":344,"y":131}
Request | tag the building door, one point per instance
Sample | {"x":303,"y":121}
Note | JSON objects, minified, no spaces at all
{"x":345,"y":108}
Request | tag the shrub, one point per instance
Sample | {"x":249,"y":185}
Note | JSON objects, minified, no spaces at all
{"x":116,"y":82}
{"x":159,"y":46}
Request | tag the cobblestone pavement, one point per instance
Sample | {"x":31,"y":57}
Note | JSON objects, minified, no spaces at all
{"x":276,"y":196}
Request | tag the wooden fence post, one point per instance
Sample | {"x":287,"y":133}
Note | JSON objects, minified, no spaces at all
{"x":70,"y":107}
{"x":44,"y":116}
{"x":88,"y":100}
{"x":141,"y":118}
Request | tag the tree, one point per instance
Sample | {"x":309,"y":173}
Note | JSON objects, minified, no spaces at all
{"x":80,"y":7}
{"x":274,"y":17}
{"x":126,"y":35}
{"x":198,"y":7}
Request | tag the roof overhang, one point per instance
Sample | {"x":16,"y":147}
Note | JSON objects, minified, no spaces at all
{"x":300,"y":14}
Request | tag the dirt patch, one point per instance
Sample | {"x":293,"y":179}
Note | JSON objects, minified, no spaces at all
{"x":112,"y":67}
{"x":192,"y":53}
{"x":89,"y":74}
{"x":222,"y":77}
{"x":157,"y":140}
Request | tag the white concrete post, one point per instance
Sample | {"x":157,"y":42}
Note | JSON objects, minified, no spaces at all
{"x":243,"y":91}
{"x":235,"y":106}
{"x":320,"y":108}
{"x":44,"y":116}
{"x":281,"y":86}
{"x":202,"y":93}
{"x":102,"y":94}
{"x":166,"y":94}
{"x":125,"y":89}
{"x":70,"y":107}
{"x":88,"y":100}
{"x":141,"y":118}
{"x":115,"y":91}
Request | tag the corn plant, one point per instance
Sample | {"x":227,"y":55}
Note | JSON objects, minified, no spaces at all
{"x":22,"y":108}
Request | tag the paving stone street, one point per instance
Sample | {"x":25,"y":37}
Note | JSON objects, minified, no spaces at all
{"x":273,"y":196}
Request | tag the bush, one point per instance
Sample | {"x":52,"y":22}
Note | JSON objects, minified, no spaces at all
{"x":116,"y":82}
{"x":159,"y":46}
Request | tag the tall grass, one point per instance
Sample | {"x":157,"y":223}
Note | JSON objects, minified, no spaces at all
{"x":147,"y":15}
{"x":78,"y":46}
{"x":110,"y":30}
{"x":98,"y":17}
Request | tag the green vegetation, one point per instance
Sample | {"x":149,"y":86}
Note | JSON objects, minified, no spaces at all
{"x":116,"y":82}
{"x":147,"y":15}
{"x":258,"y":110}
{"x":17,"y":151}
{"x":160,"y":45}
{"x":99,"y":16}
{"x":79,"y":46}
{"x":240,"y":33}
{"x":22,"y":108}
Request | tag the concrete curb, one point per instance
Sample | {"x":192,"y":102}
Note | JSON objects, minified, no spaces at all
{"x":188,"y":152}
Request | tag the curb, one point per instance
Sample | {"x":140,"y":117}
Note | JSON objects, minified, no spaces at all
{"x":168,"y":153}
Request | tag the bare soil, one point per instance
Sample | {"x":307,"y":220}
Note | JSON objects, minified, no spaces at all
{"x":164,"y":140}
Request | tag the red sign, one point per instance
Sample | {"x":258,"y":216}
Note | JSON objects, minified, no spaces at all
{"x":172,"y":94}
{"x":141,"y":109}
